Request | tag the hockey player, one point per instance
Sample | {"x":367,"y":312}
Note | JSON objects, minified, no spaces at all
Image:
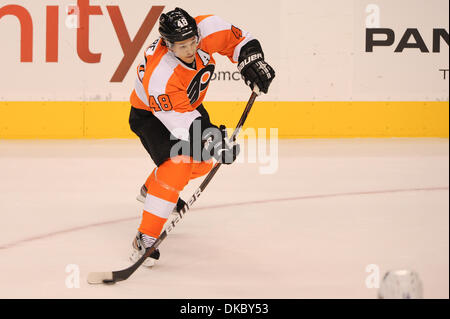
{"x":167,"y":112}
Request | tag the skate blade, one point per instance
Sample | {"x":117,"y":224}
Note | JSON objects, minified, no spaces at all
{"x":141,"y":198}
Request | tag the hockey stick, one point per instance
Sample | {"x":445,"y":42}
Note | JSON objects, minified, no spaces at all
{"x":115,"y":276}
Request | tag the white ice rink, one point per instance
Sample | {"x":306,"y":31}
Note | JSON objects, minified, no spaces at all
{"x":309,"y":230}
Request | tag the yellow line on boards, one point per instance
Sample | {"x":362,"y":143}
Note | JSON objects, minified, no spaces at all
{"x":63,"y":120}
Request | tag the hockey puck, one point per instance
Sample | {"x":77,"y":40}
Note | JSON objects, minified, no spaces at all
{"x":108,"y":282}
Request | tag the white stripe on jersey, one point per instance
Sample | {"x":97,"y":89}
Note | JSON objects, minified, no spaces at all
{"x":158,"y":206}
{"x":161,"y":75}
{"x":178,"y":123}
{"x":140,"y":92}
{"x":212,"y":24}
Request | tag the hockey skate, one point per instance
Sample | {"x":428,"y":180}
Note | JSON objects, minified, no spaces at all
{"x":143,"y":194}
{"x":140,"y":243}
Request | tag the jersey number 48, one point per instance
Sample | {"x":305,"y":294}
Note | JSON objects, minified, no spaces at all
{"x":163,"y":105}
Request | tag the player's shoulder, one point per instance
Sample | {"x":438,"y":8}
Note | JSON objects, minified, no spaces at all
{"x":209,"y":24}
{"x":156,"y":57}
{"x":202,"y":17}
{"x":156,"y":49}
{"x":161,"y":69}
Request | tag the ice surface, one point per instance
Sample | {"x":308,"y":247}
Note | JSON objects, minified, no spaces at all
{"x":309,"y":230}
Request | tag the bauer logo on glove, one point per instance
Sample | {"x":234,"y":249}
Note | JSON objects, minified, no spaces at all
{"x":253,"y":68}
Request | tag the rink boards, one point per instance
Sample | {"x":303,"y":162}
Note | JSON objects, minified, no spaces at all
{"x":60,"y":120}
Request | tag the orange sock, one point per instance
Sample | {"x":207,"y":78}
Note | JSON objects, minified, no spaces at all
{"x":164,"y":186}
{"x":198,"y":169}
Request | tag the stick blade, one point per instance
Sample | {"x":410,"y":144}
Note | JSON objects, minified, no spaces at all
{"x":100,"y":278}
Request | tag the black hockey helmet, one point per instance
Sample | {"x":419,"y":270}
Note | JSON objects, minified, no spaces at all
{"x":177,"y":25}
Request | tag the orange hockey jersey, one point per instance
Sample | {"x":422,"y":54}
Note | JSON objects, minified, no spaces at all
{"x":171,"y":89}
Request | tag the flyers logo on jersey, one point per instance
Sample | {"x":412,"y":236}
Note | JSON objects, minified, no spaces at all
{"x":236,"y":31}
{"x":200,"y":82}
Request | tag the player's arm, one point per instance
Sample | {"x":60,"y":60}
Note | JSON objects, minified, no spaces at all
{"x":240,"y":47}
{"x":139,"y":98}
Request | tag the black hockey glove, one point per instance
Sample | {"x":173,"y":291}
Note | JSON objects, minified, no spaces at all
{"x":253,"y":68}
{"x":218,"y":146}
